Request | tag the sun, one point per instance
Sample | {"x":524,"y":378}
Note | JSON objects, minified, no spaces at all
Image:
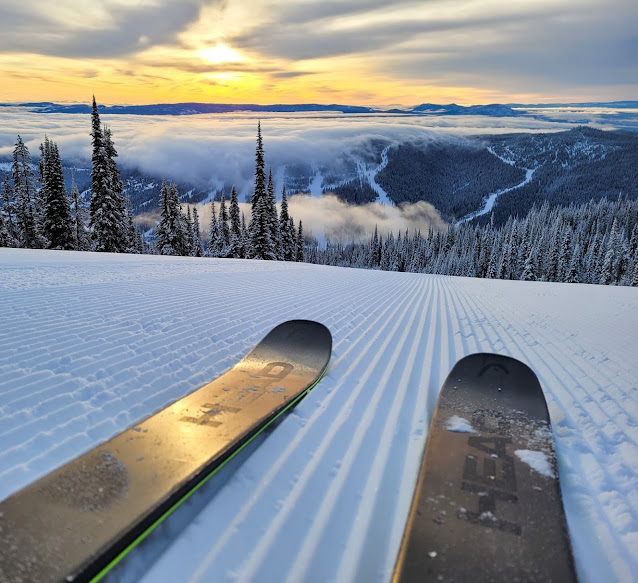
{"x":220,"y":54}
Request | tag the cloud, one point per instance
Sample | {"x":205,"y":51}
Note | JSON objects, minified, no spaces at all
{"x":532,"y":46}
{"x":106,"y":30}
{"x":329,"y":216}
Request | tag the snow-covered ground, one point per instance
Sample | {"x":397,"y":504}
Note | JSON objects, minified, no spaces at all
{"x":92,"y":343}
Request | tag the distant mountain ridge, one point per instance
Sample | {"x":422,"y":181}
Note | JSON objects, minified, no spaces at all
{"x":492,"y":110}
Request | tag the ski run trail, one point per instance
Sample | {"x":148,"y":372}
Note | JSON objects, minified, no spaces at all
{"x":91,"y":344}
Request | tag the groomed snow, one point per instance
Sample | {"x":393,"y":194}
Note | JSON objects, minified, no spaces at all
{"x":92,"y":343}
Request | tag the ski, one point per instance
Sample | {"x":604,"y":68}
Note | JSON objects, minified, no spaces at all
{"x":77,"y":522}
{"x":488,"y":506}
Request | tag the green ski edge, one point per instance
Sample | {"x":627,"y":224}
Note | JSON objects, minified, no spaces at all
{"x":197,"y":486}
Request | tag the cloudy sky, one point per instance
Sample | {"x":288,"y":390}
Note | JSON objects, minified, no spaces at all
{"x":371,"y":52}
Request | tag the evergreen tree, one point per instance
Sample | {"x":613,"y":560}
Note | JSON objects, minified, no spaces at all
{"x":80,"y":233}
{"x":7,"y":213}
{"x":260,"y":173}
{"x":273,"y":220}
{"x":244,"y":239}
{"x":107,"y":210}
{"x":236,"y":249}
{"x":611,"y":263}
{"x":529,"y":270}
{"x":188,"y":233}
{"x":4,"y":233}
{"x":300,"y":244}
{"x":213,"y":233}
{"x":262,"y":245}
{"x":132,"y":234}
{"x":286,"y":229}
{"x":223,"y":231}
{"x":171,"y":232}
{"x":24,"y":196}
{"x":197,"y":235}
{"x":57,"y":224}
{"x":633,"y":280}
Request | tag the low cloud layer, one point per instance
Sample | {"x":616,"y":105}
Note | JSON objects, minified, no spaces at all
{"x":341,"y":222}
{"x":207,"y":150}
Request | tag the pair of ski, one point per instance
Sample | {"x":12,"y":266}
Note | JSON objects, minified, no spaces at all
{"x":479,"y":512}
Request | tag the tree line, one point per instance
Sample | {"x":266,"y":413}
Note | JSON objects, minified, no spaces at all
{"x":595,"y":243}
{"x":37,"y":212}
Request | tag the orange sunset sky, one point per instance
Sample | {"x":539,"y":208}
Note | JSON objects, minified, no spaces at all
{"x":367,"y":52}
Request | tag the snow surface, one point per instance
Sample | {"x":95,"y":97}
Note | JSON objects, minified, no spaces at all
{"x":458,"y":425}
{"x":90,"y":344}
{"x":537,"y":460}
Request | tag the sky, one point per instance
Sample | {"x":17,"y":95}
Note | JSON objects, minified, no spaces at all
{"x":365,"y":52}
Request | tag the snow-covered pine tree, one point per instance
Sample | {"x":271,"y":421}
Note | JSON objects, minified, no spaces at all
{"x":197,"y":235}
{"x":24,"y":197}
{"x":213,"y":233}
{"x":611,"y":263}
{"x":4,"y":233}
{"x":244,"y":238}
{"x":223,"y":230}
{"x":564,"y":254}
{"x":300,"y":255}
{"x":235,"y":225}
{"x":133,"y":236}
{"x":633,"y":277}
{"x":188,"y":234}
{"x":107,"y":210}
{"x":261,"y":244}
{"x":286,"y":229}
{"x":260,"y":172}
{"x":170,"y":234}
{"x":57,"y":223}
{"x":80,"y":232}
{"x":7,"y":211}
{"x":273,"y":219}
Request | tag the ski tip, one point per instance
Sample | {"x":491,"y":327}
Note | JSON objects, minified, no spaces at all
{"x":504,"y":379}
{"x":304,"y":330}
{"x":486,"y":362}
{"x":304,"y":343}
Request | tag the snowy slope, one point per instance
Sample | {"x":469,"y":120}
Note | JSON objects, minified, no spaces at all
{"x":92,"y":343}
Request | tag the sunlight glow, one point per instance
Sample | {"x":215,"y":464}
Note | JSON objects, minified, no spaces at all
{"x":220,"y":54}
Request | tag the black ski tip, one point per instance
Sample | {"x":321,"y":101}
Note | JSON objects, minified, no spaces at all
{"x":306,"y":344}
{"x":505,"y":379}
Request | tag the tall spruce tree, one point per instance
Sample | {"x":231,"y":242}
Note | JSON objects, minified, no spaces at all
{"x":286,"y":229}
{"x":223,"y":230}
{"x":107,"y":210}
{"x":273,"y":220}
{"x":57,"y":224}
{"x":300,"y":255}
{"x":262,"y":245}
{"x":24,"y":193}
{"x":213,"y":236}
{"x":80,"y":232}
{"x":197,"y":235}
{"x":236,"y":247}
{"x":7,"y":212}
{"x":171,"y":232}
